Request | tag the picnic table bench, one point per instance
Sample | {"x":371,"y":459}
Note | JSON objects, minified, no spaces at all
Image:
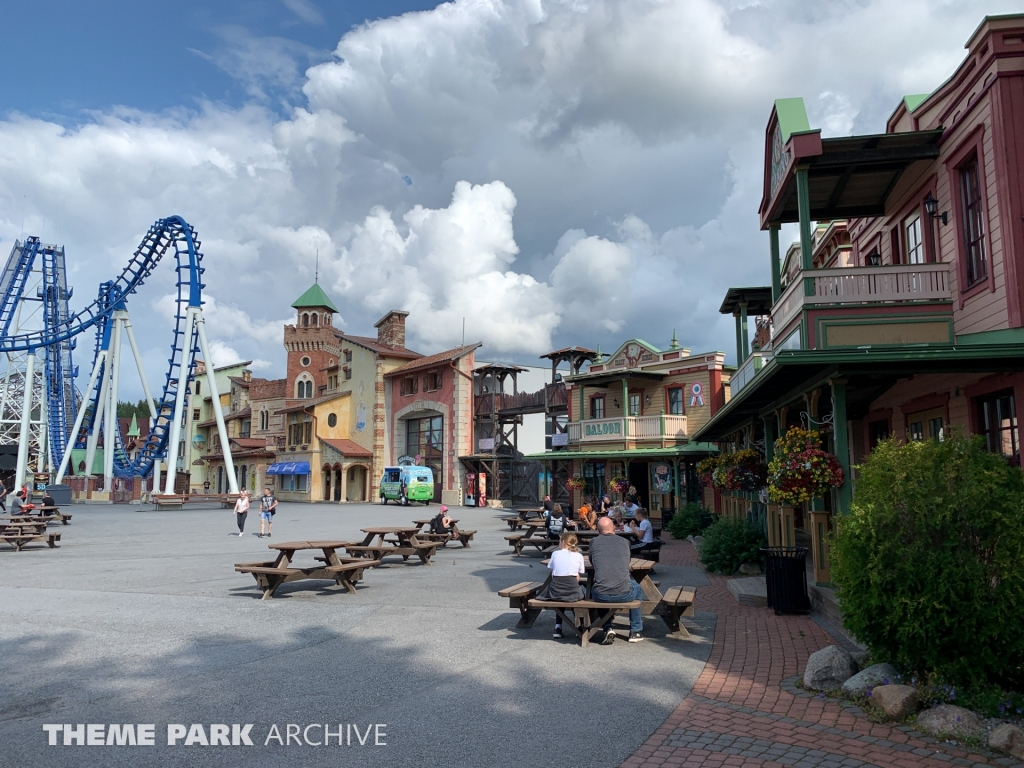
{"x":179,"y":500}
{"x":270,"y":575}
{"x":441,"y":539}
{"x":18,"y":539}
{"x":586,"y":620}
{"x":51,"y":514}
{"x":513,"y":522}
{"x":405,"y":542}
{"x":517,"y":541}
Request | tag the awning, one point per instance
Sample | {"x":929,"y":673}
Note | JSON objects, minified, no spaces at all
{"x":289,"y":468}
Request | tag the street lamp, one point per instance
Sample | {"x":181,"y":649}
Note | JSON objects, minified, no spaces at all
{"x":931,"y":205}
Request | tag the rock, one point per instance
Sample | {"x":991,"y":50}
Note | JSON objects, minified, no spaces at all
{"x":861,"y":658}
{"x":875,"y":675}
{"x":1009,"y":739}
{"x":946,"y":720}
{"x":828,"y":669}
{"x":895,"y":701}
{"x":750,"y":569}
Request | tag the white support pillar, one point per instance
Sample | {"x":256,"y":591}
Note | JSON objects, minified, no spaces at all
{"x":179,"y":400}
{"x":44,"y":429}
{"x":110,"y":432}
{"x":146,"y":391}
{"x":26,"y":412}
{"x":79,"y":418}
{"x":218,"y":412}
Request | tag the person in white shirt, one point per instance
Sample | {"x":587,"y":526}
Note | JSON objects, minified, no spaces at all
{"x":241,"y":510}
{"x":566,"y":566}
{"x":630,"y":508}
{"x":642,"y":530}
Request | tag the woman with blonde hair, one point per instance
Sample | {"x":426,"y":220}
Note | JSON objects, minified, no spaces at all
{"x":566,"y":566}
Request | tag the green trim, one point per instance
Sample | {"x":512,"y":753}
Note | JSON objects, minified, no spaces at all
{"x":824,"y":322}
{"x":792,"y":116}
{"x":637,"y":453}
{"x":914,"y":100}
{"x":1004,"y":336}
{"x":314,"y":297}
{"x":773,"y":240}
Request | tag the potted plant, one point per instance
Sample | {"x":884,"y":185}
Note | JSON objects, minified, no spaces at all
{"x":746,"y":471}
{"x":801,"y":470}
{"x":619,"y":484}
{"x":706,"y":470}
{"x":576,"y":483}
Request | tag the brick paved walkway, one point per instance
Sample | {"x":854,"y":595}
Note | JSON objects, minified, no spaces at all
{"x":741,"y":712}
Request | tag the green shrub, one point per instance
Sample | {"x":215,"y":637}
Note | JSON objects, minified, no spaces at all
{"x":930,"y":562}
{"x":730,"y":543}
{"x":686,"y":521}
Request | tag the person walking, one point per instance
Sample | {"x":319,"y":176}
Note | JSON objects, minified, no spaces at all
{"x":268,"y":505}
{"x":241,"y":510}
{"x":3,"y":496}
{"x":609,"y":554}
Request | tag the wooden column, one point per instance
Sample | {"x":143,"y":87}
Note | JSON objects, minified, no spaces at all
{"x":844,"y":494}
{"x":739,"y":340}
{"x":773,"y":238}
{"x":744,"y":333}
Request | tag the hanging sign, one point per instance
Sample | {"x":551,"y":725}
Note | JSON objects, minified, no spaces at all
{"x":696,"y":394}
{"x":661,"y":478}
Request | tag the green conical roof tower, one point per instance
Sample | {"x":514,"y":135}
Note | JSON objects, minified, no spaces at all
{"x":133,"y":430}
{"x":314,"y":297}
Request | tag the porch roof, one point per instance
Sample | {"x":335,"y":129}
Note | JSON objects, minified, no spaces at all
{"x":604,"y":379}
{"x":849,"y":176}
{"x":758,"y":301}
{"x":869,"y":372}
{"x":689,"y":449}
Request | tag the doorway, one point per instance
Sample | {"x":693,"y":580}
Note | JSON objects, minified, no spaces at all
{"x":640,"y":479}
{"x":356,"y":479}
{"x":337,"y":483}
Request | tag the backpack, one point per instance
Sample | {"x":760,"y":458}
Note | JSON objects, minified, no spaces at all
{"x":437,"y":524}
{"x":556,"y":525}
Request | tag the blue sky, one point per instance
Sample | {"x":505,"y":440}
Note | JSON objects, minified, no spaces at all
{"x":553,"y":172}
{"x":63,"y":58}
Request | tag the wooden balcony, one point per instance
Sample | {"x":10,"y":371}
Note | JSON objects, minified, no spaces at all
{"x":862,"y":285}
{"x":628,"y":428}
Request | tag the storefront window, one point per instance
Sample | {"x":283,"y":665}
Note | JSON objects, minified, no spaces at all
{"x":634,"y":404}
{"x":593,"y":475}
{"x":997,"y":419}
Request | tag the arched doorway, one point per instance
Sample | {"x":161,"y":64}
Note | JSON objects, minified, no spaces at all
{"x":356,"y":481}
{"x":326,"y":473}
{"x":244,"y":474}
{"x":220,"y":479}
{"x":337,"y":482}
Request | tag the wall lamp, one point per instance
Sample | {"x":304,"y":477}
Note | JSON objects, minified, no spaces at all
{"x":648,"y":399}
{"x":931,"y":205}
{"x":616,"y":402}
{"x":874,"y":258}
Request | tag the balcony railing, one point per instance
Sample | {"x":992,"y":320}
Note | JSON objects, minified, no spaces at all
{"x":628,"y":428}
{"x":861,"y":285}
{"x":746,"y":372}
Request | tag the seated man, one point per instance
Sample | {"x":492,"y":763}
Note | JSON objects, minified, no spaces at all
{"x":48,"y":501}
{"x":629,"y":507}
{"x":609,"y":555}
{"x":19,"y":506}
{"x":642,"y":530}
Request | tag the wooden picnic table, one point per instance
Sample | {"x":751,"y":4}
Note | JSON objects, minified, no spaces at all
{"x":404,"y":542}
{"x":525,"y":513}
{"x":671,"y":606}
{"x":344,"y":571}
{"x":421,"y":523}
{"x":53,"y":513}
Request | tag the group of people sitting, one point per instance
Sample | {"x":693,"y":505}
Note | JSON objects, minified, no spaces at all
{"x":625,"y":517}
{"x":21,"y":503}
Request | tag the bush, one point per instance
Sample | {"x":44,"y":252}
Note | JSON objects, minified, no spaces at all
{"x":929,"y":562}
{"x":730,"y":543}
{"x":686,"y":521}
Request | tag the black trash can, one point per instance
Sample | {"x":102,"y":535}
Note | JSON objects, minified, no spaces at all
{"x":61,"y":494}
{"x":785,"y":574}
{"x":667,"y":513}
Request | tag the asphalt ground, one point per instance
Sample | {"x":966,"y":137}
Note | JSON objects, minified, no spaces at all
{"x":139,"y":618}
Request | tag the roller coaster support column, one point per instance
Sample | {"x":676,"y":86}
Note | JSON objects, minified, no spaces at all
{"x":110,"y":423}
{"x":145,"y":390}
{"x":26,"y":412}
{"x":218,"y":412}
{"x":66,"y":459}
{"x":179,"y":405}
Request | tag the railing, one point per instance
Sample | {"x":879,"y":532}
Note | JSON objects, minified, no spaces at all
{"x":746,"y":372}
{"x":532,"y":402}
{"x":859,"y":285}
{"x":628,"y":428}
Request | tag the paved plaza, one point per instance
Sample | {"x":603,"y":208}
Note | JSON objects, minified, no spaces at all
{"x":139,"y":617}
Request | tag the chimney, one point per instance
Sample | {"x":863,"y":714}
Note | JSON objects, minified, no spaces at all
{"x":391,"y":329}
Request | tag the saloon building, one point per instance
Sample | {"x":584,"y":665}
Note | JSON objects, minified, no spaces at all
{"x":901,"y":312}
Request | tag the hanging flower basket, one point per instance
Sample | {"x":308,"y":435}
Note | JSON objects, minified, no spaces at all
{"x":706,"y":470}
{"x":745,"y":472}
{"x":576,"y":483}
{"x":619,"y":484}
{"x":801,"y":470}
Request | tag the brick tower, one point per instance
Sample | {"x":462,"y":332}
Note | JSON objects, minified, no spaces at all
{"x":311,"y":344}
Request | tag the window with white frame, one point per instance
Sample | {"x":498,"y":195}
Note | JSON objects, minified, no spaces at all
{"x":913,"y":242}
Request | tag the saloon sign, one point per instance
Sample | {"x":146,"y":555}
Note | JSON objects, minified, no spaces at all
{"x":604,"y":428}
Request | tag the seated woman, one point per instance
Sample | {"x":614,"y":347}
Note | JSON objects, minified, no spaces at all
{"x":567,"y":566}
{"x":557,"y":523}
{"x":588,"y":516}
{"x":618,"y":517}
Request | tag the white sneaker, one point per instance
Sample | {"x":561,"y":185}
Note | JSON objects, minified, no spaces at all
{"x":239,"y":533}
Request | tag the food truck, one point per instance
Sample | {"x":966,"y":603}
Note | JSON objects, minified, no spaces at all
{"x":407,"y":483}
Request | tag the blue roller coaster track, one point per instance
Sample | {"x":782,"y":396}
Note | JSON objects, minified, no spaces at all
{"x":57,"y":337}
